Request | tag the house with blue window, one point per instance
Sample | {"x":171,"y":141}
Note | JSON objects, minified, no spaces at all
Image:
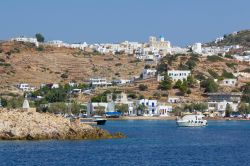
{"x":151,"y":107}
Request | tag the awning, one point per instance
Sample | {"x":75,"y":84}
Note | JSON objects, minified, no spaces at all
{"x":113,"y":113}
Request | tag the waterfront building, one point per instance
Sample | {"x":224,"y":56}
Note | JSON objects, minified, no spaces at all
{"x":151,"y":107}
{"x":164,"y":109}
{"x":217,"y":102}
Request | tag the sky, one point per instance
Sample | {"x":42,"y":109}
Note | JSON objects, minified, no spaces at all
{"x":182,"y":22}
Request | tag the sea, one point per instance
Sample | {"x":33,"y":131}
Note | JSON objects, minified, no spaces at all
{"x":148,"y":143}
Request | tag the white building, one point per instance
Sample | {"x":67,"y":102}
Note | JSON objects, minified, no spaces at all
{"x":218,"y":101}
{"x":148,"y":73}
{"x":24,"y":86}
{"x":196,"y":48}
{"x":228,"y":82}
{"x":174,"y":99}
{"x":99,"y":82}
{"x":160,"y":44}
{"x":160,"y":78}
{"x":164,"y":110}
{"x":151,"y":107}
{"x":57,"y":43}
{"x":26,"y":39}
{"x":179,"y":74}
{"x":121,"y":81}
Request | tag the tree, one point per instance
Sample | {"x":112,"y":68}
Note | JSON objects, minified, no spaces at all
{"x":178,"y":84}
{"x":191,"y":64}
{"x":190,"y":81}
{"x":201,"y":107}
{"x":246,"y":93}
{"x":166,"y":84}
{"x":184,"y":87}
{"x":228,"y":110}
{"x":244,"y":108}
{"x":143,"y":87}
{"x":58,"y":107}
{"x":3,"y":102}
{"x":209,"y":85}
{"x":122,"y":108}
{"x":141,"y":108}
{"x":40,"y":37}
{"x":100,"y":110}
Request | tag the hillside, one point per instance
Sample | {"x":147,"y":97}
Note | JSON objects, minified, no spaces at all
{"x":22,"y":62}
{"x":240,"y":38}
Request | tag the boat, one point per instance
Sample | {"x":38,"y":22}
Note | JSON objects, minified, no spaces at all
{"x":99,"y":120}
{"x":191,"y":121}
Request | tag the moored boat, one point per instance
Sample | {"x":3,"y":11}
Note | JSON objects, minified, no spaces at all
{"x":191,"y":121}
{"x":99,"y":120}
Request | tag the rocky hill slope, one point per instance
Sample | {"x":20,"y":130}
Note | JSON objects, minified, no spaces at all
{"x":23,"y":62}
{"x":28,"y":125}
{"x":238,"y":38}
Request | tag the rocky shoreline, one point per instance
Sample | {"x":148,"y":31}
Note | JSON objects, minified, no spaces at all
{"x":31,"y":125}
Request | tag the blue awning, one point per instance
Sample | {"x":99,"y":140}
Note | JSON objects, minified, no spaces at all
{"x":113,"y":113}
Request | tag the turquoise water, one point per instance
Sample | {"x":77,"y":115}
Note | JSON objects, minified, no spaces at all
{"x":148,"y":143}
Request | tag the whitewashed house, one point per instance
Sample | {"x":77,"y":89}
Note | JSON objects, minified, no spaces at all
{"x":160,"y":78}
{"x":151,"y":107}
{"x":196,"y":48}
{"x":26,"y":39}
{"x":164,"y":110}
{"x":179,"y":74}
{"x":228,"y":82}
{"x":121,"y":81}
{"x":24,"y":86}
{"x":174,"y":99}
{"x":56,"y":43}
{"x":148,"y":73}
{"x":99,"y":82}
{"x":218,"y":101}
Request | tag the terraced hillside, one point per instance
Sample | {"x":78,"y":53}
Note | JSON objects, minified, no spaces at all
{"x":22,"y":62}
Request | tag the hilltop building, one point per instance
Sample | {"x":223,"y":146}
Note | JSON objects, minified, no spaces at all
{"x":179,"y":74}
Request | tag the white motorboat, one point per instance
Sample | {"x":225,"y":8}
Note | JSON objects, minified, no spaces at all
{"x":99,"y":120}
{"x":191,"y":121}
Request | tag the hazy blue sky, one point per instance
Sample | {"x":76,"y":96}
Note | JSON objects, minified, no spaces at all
{"x":180,"y":21}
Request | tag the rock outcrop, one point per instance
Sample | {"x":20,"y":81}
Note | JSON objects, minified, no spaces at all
{"x":31,"y":125}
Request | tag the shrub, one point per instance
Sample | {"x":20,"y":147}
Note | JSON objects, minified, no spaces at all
{"x":166,"y":84}
{"x":143,"y":87}
{"x":213,"y":73}
{"x":200,"y":76}
{"x":64,"y":76}
{"x":229,"y":56}
{"x":231,"y":65}
{"x":226,"y":74}
{"x":247,"y":70}
{"x":214,"y":58}
{"x":132,"y":95}
{"x":118,"y":64}
{"x":147,"y":67}
{"x":209,"y":85}
{"x":40,"y":48}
